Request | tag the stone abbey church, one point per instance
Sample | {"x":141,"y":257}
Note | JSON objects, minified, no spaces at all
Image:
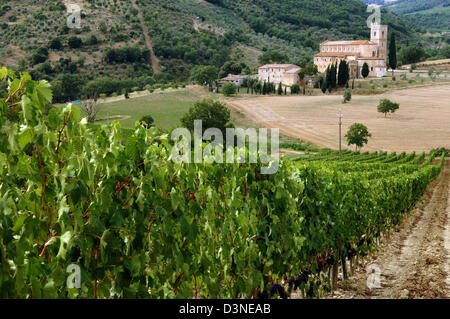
{"x":356,"y":53}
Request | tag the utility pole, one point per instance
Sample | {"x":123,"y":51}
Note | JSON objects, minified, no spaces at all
{"x":340,"y":116}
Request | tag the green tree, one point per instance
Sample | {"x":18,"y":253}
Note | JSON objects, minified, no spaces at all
{"x":147,"y":121}
{"x":71,"y":85}
{"x":392,"y":53}
{"x":358,"y":135}
{"x":310,"y":69}
{"x":265,"y":88}
{"x":365,"y":70}
{"x":229,"y":89}
{"x":304,"y":60}
{"x":231,"y":67}
{"x":333,"y":74}
{"x":39,"y":56}
{"x":75,"y":42}
{"x":280,"y":89}
{"x":295,"y":89}
{"x":343,"y":74}
{"x":204,"y":74}
{"x":386,"y":106}
{"x":55,"y":44}
{"x":347,"y":95}
{"x":327,"y":82}
{"x":411,"y":54}
{"x":271,"y":57}
{"x":211,"y":113}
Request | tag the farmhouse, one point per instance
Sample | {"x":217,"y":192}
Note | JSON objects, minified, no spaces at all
{"x":356,"y":53}
{"x":238,"y":80}
{"x":286,"y":74}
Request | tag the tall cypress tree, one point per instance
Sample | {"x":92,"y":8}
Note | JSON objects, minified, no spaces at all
{"x":392,"y":53}
{"x":343,"y":74}
{"x":333,"y":74}
{"x":280,"y":89}
{"x":328,"y":80}
{"x":365,"y":70}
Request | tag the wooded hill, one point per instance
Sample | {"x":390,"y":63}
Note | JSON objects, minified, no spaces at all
{"x":434,"y":14}
{"x":110,"y":43}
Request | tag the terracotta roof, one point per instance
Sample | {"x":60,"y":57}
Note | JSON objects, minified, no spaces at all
{"x":351,"y":42}
{"x":278,"y":66}
{"x":232,"y":77}
{"x":293,"y":71}
{"x":363,"y":58}
{"x":337,"y":54}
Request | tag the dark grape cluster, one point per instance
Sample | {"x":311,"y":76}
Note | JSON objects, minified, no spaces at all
{"x":275,"y":289}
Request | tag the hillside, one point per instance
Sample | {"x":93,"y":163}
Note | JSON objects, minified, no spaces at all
{"x":117,"y":39}
{"x":413,"y":6}
{"x":432,"y":14}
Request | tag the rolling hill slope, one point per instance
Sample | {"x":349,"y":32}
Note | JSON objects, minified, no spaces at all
{"x":180,"y":33}
{"x":432,"y":14}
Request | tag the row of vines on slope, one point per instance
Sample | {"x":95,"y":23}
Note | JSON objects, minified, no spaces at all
{"x":141,"y":226}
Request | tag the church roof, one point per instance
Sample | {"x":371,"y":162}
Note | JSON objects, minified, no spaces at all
{"x":363,"y":58}
{"x":278,"y":66}
{"x":351,"y":42}
{"x":337,"y":54}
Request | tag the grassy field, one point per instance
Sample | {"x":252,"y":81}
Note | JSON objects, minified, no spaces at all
{"x":166,"y":108}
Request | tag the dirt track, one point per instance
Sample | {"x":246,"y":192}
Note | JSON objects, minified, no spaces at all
{"x":421,"y":124}
{"x":156,"y":66}
{"x":414,"y":262}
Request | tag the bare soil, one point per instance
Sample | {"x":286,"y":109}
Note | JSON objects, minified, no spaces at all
{"x":414,"y":260}
{"x":421,"y":124}
{"x":156,"y":66}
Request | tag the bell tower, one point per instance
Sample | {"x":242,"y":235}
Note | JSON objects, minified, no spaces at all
{"x":379,"y":35}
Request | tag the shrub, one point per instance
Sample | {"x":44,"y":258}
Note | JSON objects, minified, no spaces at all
{"x":295,"y":89}
{"x":91,"y":40}
{"x":75,"y":42}
{"x":39,"y":56}
{"x":55,"y":44}
{"x":229,"y":89}
{"x":147,"y":121}
{"x":347,"y":95}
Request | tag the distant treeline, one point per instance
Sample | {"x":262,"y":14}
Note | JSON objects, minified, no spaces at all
{"x":71,"y":87}
{"x":126,"y":55}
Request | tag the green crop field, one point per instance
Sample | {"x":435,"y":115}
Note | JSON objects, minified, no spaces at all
{"x":166,"y":108}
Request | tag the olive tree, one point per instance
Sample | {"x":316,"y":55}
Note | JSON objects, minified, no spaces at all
{"x":358,"y":135}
